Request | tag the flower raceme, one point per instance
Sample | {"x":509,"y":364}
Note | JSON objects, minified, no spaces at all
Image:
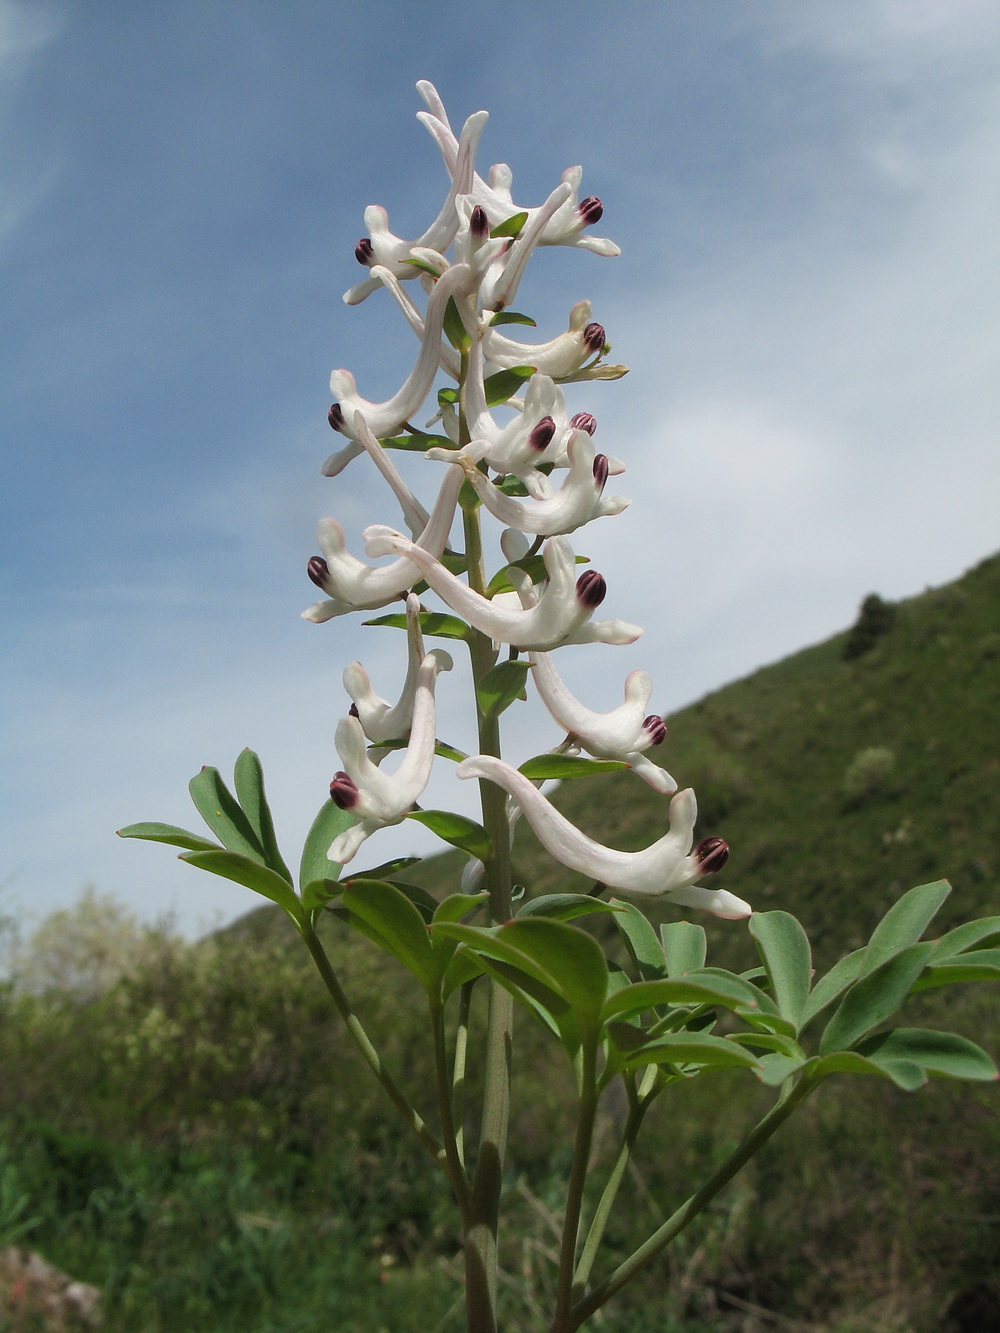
{"x":515,"y":453}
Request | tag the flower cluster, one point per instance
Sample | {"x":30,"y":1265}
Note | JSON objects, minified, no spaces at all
{"x":507,"y":443}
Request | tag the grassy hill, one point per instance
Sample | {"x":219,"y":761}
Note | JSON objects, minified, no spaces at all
{"x":199,"y":1139}
{"x":838,"y":783}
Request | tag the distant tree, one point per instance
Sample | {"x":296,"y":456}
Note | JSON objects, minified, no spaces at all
{"x":875,"y":618}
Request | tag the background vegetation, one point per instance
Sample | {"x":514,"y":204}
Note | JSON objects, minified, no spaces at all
{"x":185,"y":1126}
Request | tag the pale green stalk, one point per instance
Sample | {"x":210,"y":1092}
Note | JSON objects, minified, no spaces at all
{"x":674,"y":1225}
{"x":456,"y":1169}
{"x":577,"y":1181}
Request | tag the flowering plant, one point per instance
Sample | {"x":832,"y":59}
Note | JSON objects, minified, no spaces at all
{"x":502,"y":445}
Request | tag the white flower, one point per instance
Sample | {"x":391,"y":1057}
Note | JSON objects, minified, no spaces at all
{"x":382,"y":247}
{"x":380,"y":720}
{"x":579,"y":499}
{"x":351,"y":585}
{"x":622,"y":734}
{"x":667,"y":868}
{"x":560,"y":615}
{"x":564,"y":228}
{"x":560,"y":357}
{"x":388,"y":417}
{"x":378,"y":798}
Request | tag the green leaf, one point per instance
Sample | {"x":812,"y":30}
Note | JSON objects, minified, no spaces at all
{"x":943,"y":1053}
{"x":984,"y":932}
{"x":511,"y":317}
{"x":773,"y":1069}
{"x":329,"y":823}
{"x":441,"y":749}
{"x":685,"y":947}
{"x":501,"y":686}
{"x":560,"y":957}
{"x":171,"y":835}
{"x":424,"y":267}
{"x":903,"y":1073}
{"x":388,"y":869}
{"x":874,"y":998}
{"x":784,"y":950}
{"x":505,"y":383}
{"x":463,"y":833}
{"x":641,"y":942}
{"x":685,"y":1048}
{"x":318,"y":892}
{"x":565,"y":906}
{"x":417,"y":441}
{"x":975,"y":965}
{"x":771,"y":1041}
{"x":380,"y":911}
{"x":730,"y":992}
{"x":532,"y":565}
{"x":249,"y":781}
{"x":457,"y":905}
{"x":433,"y":623}
{"x":447,"y":397}
{"x":454,"y":330}
{"x":562,"y":766}
{"x":221,"y":812}
{"x":904,"y":923}
{"x":830,"y":987}
{"x":511,"y":226}
{"x":251,"y":874}
{"x":425,"y":903}
{"x":462,"y":967}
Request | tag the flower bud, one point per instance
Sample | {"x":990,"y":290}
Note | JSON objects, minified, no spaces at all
{"x":479,"y":223}
{"x":594,"y":337}
{"x":541,"y":437}
{"x":591,"y":588}
{"x":584,"y":421}
{"x":344,"y":791}
{"x":657,"y":728}
{"x":601,"y":470}
{"x":319,"y":571}
{"x":364,"y":251}
{"x":335,"y":416}
{"x":711,"y":855}
{"x":591,"y":210}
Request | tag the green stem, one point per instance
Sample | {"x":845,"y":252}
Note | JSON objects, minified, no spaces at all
{"x":364,"y":1045}
{"x":577,"y":1181}
{"x":662,"y":1237}
{"x":481,"y":1235}
{"x":456,"y":1170}
{"x":458,"y":1070}
{"x":595,"y":1235}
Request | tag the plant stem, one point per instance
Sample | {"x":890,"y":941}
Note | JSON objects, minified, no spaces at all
{"x":606,"y":1202}
{"x":364,"y":1045}
{"x":577,"y":1181}
{"x":458,"y":1070}
{"x":456,"y":1170}
{"x":662,"y":1237}
{"x":481,"y":1235}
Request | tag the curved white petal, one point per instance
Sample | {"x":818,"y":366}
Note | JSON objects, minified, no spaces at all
{"x":380,"y":720}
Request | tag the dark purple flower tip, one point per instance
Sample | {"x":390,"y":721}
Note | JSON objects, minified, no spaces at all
{"x":656,"y":727}
{"x":591,"y":210}
{"x":479,"y":223}
{"x":344,"y":791}
{"x":364,"y":251}
{"x":353,"y":710}
{"x":584,"y":421}
{"x":541,"y":437}
{"x":591,"y":589}
{"x":318,"y":570}
{"x":601,"y":470}
{"x":711,"y":855}
{"x":594,"y":337}
{"x":335,"y":416}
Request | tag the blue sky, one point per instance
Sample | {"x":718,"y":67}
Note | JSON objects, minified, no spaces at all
{"x":806,"y":198}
